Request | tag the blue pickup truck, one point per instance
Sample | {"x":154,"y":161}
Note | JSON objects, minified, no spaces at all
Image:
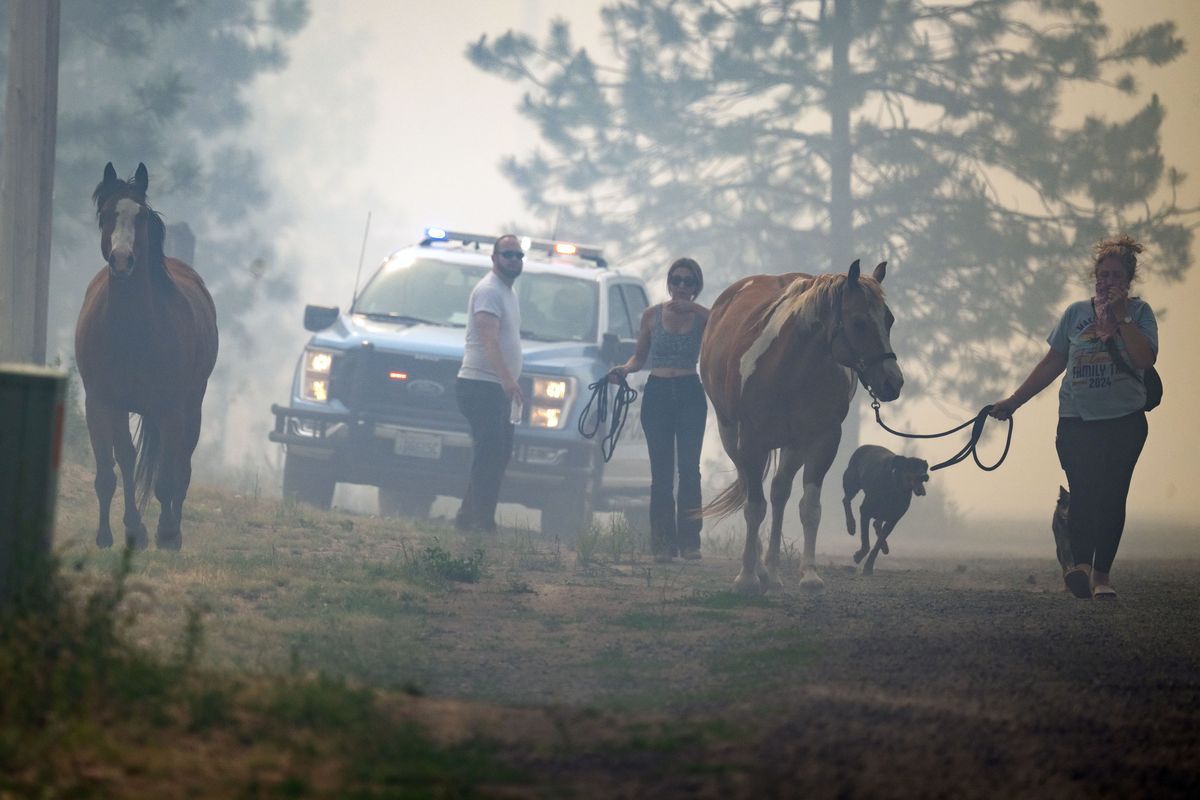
{"x":372,"y":400}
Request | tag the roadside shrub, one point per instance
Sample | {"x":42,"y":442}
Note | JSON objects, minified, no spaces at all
{"x":437,"y":563}
{"x":66,"y":666}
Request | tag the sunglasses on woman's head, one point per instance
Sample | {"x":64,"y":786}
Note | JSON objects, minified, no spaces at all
{"x":681,"y":280}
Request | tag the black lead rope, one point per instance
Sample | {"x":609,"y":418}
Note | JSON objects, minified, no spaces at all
{"x":624,"y":397}
{"x":968,"y":449}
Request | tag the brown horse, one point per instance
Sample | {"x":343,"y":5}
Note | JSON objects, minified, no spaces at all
{"x":778,"y":361}
{"x":145,"y":343}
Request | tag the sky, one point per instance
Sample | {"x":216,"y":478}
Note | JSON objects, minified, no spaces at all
{"x":379,"y":112}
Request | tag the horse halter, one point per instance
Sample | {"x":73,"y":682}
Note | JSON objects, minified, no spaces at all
{"x":859,"y":364}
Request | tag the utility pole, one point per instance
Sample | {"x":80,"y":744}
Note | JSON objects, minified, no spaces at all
{"x":27,"y":180}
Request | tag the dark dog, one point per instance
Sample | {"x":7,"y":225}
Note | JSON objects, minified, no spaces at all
{"x":888,"y":482}
{"x":1058,"y":526}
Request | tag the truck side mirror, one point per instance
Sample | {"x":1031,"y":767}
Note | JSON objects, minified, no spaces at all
{"x":318,"y":318}
{"x":615,"y":351}
{"x":610,"y":348}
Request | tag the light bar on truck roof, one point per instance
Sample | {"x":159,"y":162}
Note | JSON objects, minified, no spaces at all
{"x":547,"y":247}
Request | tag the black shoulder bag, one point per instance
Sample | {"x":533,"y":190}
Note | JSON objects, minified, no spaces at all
{"x":1150,"y":379}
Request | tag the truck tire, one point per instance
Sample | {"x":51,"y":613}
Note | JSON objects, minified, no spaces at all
{"x":405,"y":502}
{"x":637,"y":518}
{"x":308,"y":481}
{"x":568,"y":513}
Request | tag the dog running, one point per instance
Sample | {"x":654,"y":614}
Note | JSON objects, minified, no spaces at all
{"x":888,"y":482}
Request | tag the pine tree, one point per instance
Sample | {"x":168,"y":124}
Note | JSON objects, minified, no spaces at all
{"x":161,"y":81}
{"x":787,"y":135}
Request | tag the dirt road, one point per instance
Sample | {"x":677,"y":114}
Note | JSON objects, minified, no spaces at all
{"x":596,"y":673}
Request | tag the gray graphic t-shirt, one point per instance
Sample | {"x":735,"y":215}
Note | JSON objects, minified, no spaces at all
{"x":493,"y":296}
{"x":1093,"y":387}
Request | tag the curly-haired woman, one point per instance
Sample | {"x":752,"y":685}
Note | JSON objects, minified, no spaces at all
{"x":1104,"y":344}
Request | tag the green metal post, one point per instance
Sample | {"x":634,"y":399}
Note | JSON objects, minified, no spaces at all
{"x":31,"y":426}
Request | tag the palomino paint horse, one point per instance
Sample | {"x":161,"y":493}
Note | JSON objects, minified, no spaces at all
{"x":145,"y":343}
{"x":778,"y":361}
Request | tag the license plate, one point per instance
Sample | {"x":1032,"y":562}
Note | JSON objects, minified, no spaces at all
{"x":418,"y":445}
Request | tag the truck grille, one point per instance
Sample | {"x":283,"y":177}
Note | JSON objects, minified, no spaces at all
{"x":399,"y":386}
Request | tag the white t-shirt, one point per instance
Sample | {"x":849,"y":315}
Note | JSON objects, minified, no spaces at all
{"x":492,"y":296}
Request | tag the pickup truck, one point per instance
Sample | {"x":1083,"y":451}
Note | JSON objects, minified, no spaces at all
{"x":372,"y":400}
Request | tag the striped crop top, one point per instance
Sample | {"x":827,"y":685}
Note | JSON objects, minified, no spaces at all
{"x":674,"y":350}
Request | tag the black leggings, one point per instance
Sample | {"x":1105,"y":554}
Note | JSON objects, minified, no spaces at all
{"x":1098,"y":457}
{"x":674,"y":411}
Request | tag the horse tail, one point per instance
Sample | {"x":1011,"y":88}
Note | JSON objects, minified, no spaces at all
{"x":734,"y":496}
{"x":727,"y":502}
{"x":148,"y":452}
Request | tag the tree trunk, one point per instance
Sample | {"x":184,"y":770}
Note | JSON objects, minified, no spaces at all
{"x":841,"y":202}
{"x":27,"y":179}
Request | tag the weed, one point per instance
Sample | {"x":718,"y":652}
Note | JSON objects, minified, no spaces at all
{"x":587,"y":547}
{"x":517,"y":585}
{"x":291,"y":513}
{"x":438,"y":563}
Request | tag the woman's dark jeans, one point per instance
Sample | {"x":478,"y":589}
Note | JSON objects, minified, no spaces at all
{"x":674,"y":411}
{"x":1098,"y":457}
{"x":486,"y":408}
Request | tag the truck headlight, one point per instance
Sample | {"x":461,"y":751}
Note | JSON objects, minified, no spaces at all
{"x":551,"y":396}
{"x":314,"y":382}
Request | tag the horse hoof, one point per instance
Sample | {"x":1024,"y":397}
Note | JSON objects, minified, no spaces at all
{"x":137,"y":538}
{"x":859,"y":556}
{"x":104,"y":539}
{"x":811,"y":582}
{"x":868,"y":571}
{"x":747,"y":585}
{"x":168,"y":541}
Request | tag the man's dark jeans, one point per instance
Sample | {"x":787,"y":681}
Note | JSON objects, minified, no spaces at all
{"x":486,"y":408}
{"x":674,"y":411}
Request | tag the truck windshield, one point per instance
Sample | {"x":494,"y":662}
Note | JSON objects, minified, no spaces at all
{"x":553,"y":307}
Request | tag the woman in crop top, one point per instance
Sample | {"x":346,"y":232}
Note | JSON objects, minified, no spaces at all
{"x":674,"y":410}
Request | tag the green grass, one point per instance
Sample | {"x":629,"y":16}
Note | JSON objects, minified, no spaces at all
{"x":78,"y":689}
{"x":651,"y":620}
{"x":727,"y":601}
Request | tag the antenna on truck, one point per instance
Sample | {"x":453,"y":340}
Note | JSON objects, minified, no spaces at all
{"x":361,"y":253}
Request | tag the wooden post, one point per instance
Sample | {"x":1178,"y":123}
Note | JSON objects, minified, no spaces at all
{"x":27,"y":179}
{"x":31,"y":426}
{"x":181,"y":243}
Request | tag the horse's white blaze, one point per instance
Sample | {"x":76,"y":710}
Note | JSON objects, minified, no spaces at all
{"x":793,"y":305}
{"x":123,"y":229}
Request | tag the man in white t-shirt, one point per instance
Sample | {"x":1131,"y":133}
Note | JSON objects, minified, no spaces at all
{"x":487,"y":387}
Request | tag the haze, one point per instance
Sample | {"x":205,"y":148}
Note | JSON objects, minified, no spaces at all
{"x":379,"y":111}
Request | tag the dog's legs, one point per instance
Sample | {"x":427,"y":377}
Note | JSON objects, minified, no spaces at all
{"x":866,"y":535}
{"x":880,"y":542}
{"x":850,"y":489}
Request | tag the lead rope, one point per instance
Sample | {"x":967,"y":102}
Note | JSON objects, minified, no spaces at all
{"x":624,"y":397}
{"x":976,"y":423}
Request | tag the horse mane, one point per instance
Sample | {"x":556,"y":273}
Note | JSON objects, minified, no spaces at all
{"x":806,"y":299}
